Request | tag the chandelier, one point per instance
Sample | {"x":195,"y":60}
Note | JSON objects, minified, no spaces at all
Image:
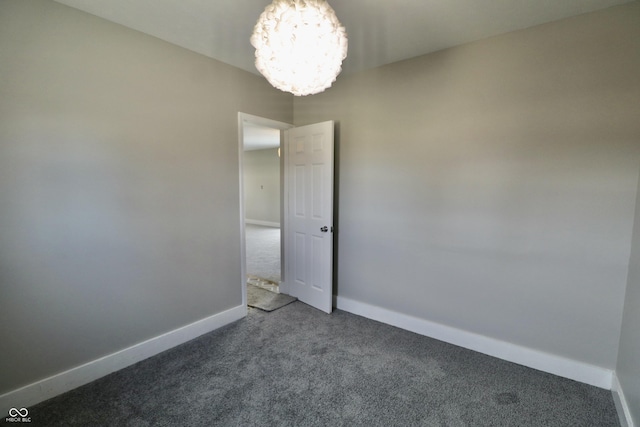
{"x":300,"y":45}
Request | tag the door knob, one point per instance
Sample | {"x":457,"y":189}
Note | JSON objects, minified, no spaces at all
{"x":324,"y":229}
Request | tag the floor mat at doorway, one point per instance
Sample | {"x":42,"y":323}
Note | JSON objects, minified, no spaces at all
{"x":266,"y":300}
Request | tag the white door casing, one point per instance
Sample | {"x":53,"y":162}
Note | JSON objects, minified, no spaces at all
{"x":309,"y":238}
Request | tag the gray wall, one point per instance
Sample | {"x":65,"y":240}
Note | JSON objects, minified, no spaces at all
{"x":628,"y":370}
{"x":119,"y":194}
{"x":262,"y":185}
{"x":491,"y":187}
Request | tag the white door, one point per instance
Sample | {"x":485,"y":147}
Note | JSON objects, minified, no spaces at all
{"x":309,"y":246}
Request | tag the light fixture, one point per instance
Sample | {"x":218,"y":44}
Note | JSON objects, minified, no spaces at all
{"x":300,"y":45}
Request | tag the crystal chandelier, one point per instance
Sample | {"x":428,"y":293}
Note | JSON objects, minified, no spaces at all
{"x":300,"y":45}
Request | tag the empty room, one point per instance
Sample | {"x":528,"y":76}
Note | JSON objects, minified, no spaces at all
{"x":459,"y":224}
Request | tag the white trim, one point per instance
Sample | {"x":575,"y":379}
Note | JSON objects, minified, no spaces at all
{"x":622,"y":406}
{"x":243,"y":234}
{"x":285,"y":287}
{"x":263,"y":223}
{"x":557,"y":365}
{"x":75,"y":377}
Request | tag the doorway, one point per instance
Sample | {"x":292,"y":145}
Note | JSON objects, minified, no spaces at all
{"x":306,"y":207}
{"x":261,"y":202}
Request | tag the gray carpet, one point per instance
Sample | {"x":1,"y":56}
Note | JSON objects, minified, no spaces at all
{"x":263,"y":252}
{"x":266,"y":300}
{"x":299,"y":367}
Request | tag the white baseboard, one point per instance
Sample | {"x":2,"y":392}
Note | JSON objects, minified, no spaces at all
{"x":264,"y":223}
{"x":622,"y":405}
{"x":57,"y":384}
{"x":557,"y":365}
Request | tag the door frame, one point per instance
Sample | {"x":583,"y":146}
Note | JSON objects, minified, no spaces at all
{"x":284,"y":198}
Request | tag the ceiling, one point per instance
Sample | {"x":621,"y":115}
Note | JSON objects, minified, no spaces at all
{"x":379,"y":31}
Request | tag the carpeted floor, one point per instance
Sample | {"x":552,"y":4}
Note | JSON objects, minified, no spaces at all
{"x":263,"y":252}
{"x":299,"y":367}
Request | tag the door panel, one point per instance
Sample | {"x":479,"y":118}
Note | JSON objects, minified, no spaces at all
{"x":310,"y":249}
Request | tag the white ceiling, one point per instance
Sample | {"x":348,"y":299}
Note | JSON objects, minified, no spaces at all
{"x":380,"y":31}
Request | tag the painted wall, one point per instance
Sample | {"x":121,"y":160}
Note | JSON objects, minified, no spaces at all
{"x":119,"y":189}
{"x":628,"y":369}
{"x":491,"y":187}
{"x":262,"y":185}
